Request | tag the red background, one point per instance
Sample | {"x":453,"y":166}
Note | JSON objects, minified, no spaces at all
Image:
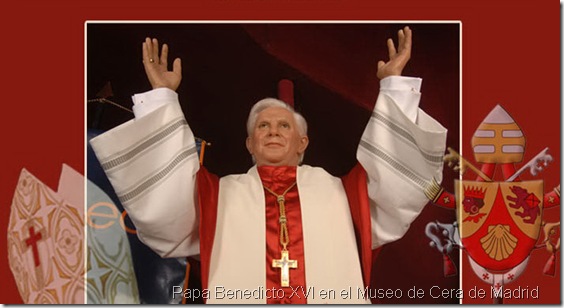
{"x":510,"y":52}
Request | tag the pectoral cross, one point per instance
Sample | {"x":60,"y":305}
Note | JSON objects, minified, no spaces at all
{"x":284,"y":263}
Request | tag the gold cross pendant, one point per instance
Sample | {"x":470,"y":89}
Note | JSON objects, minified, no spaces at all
{"x":284,"y":263}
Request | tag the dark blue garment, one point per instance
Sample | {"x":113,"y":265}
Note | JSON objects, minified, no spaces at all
{"x":156,"y":276}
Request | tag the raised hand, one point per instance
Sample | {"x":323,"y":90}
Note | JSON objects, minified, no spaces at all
{"x":398,"y":58}
{"x":156,"y":67}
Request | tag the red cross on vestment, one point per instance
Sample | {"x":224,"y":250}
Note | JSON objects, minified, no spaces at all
{"x":32,"y":241}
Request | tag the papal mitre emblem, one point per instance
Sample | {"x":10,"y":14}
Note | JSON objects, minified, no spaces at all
{"x":498,"y":139}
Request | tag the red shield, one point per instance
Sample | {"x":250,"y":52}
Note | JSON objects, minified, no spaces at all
{"x":499,"y":221}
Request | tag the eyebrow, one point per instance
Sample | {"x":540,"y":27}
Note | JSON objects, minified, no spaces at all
{"x":275,"y":120}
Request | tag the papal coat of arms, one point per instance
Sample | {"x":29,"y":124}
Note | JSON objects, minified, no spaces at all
{"x":499,"y":223}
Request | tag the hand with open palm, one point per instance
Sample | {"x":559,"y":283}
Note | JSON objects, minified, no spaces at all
{"x":156,"y":67}
{"x":398,"y":58}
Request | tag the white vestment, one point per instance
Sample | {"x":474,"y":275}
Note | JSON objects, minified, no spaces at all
{"x":151,"y":162}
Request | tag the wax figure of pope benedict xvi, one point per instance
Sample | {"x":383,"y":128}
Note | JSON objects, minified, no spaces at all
{"x":283,"y":232}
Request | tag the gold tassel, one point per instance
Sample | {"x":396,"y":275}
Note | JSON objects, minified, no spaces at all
{"x":433,"y":191}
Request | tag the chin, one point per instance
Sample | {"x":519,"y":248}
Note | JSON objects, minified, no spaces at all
{"x":271,"y":162}
{"x":274,"y":159}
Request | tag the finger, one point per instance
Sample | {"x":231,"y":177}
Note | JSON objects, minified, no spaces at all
{"x":155,"y":50}
{"x":164,"y":56}
{"x":391,"y":48}
{"x":147,"y":50}
{"x":150,"y":46}
{"x":381,"y":64}
{"x":407,"y":40}
{"x":177,"y":67}
{"x":401,"y":40}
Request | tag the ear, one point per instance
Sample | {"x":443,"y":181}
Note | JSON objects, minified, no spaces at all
{"x":249,"y":143}
{"x":304,"y":142}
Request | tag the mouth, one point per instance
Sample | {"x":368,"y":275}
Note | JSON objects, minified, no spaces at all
{"x":274,"y":144}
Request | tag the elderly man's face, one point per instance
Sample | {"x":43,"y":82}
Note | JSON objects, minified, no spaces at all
{"x":275,"y":139}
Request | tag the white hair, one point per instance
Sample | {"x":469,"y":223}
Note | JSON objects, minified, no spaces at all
{"x":273,"y":102}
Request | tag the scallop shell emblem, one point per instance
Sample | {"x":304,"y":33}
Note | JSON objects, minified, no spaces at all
{"x":499,"y":243}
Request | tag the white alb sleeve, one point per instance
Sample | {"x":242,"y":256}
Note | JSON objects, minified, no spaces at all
{"x":151,"y":162}
{"x":401,"y":150}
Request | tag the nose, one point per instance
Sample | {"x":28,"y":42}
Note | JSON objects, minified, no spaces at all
{"x":273,"y":130}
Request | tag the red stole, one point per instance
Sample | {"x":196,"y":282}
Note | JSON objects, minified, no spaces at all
{"x":278,"y":179}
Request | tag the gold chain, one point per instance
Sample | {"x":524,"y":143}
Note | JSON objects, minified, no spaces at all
{"x":284,"y":238}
